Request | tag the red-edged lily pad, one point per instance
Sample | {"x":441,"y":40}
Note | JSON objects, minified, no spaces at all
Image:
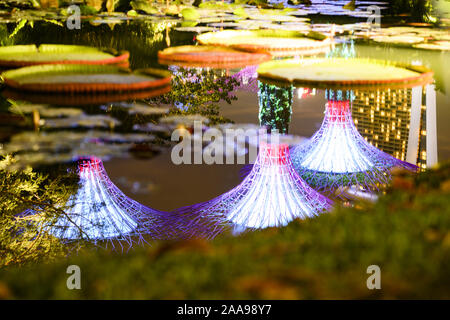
{"x":210,"y":56}
{"x":27,"y":55}
{"x":84,"y":78}
{"x":340,"y":72}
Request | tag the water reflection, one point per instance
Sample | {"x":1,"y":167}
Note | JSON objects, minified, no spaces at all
{"x":100,"y":211}
{"x":401,"y":122}
{"x":272,"y":194}
{"x":338,"y":156}
{"x":275,"y":106}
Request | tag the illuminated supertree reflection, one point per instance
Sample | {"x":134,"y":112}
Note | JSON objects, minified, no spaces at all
{"x":99,"y":211}
{"x":271,"y":195}
{"x":337,"y":155}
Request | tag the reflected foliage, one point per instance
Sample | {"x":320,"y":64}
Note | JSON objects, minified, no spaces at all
{"x":25,"y":239}
{"x":419,"y":10}
{"x":275,"y":106}
{"x":199,"y":91}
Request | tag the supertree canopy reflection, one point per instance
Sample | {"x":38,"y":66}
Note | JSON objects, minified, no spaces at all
{"x":337,"y":155}
{"x":271,"y":195}
{"x":93,"y":210}
{"x":99,"y":211}
{"x":275,"y":106}
{"x":275,"y":193}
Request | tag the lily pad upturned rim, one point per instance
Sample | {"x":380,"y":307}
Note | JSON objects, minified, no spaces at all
{"x":424,"y":76}
{"x":434,"y":46}
{"x":63,"y":99}
{"x":322,"y":42}
{"x":119,"y":57}
{"x":159,"y":78}
{"x":236,"y":59}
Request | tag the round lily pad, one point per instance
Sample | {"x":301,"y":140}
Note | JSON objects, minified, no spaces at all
{"x":340,"y":72}
{"x":211,"y":56}
{"x":64,"y":99}
{"x":276,"y":42}
{"x":293,"y":27}
{"x":195,"y":29}
{"x":400,"y":39}
{"x":83,"y":78}
{"x":27,"y":55}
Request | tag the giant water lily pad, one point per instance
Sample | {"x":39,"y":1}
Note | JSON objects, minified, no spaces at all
{"x":294,"y":27}
{"x":400,"y":39}
{"x":83,"y":78}
{"x":195,"y":29}
{"x":26,"y":55}
{"x":275,"y":42}
{"x":64,"y":99}
{"x":437,"y":45}
{"x":210,"y":56}
{"x":352,"y":73}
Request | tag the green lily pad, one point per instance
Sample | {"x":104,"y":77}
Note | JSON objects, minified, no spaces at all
{"x":400,"y":39}
{"x":344,"y":72}
{"x":144,"y":6}
{"x":194,"y":29}
{"x":188,"y":24}
{"x":79,"y":78}
{"x":240,"y":12}
{"x":437,"y":45}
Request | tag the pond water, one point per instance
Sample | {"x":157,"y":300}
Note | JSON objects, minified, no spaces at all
{"x":409,"y":123}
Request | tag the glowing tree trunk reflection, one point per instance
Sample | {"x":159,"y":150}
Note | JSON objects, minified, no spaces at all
{"x":275,"y":106}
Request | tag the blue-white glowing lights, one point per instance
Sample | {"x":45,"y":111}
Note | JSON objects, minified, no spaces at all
{"x":100,"y":211}
{"x":271,"y":195}
{"x":95,"y":211}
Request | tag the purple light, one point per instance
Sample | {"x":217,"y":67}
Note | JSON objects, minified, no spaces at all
{"x":248,"y":79}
